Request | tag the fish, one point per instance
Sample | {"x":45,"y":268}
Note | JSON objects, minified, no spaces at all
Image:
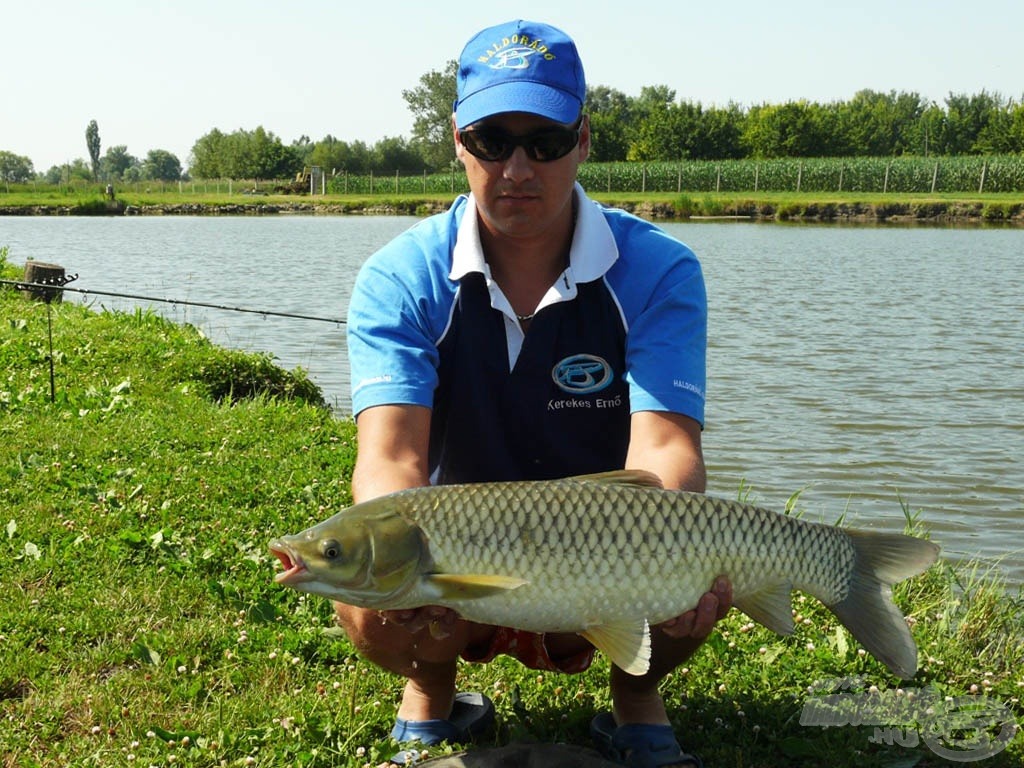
{"x":606,"y":556}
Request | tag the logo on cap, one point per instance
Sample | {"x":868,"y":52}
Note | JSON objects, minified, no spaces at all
{"x":513,"y":58}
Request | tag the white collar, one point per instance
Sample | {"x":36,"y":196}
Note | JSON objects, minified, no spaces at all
{"x":592,"y":253}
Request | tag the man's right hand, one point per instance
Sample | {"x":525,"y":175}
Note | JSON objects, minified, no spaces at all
{"x":436,"y":618}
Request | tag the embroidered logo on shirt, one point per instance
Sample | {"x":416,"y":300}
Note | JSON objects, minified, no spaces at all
{"x":582,"y":374}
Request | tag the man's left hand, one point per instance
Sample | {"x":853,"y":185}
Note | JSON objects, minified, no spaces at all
{"x":700,"y":622}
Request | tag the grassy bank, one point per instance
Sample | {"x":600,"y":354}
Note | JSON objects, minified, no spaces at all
{"x":1005,"y":208}
{"x":139,"y":624}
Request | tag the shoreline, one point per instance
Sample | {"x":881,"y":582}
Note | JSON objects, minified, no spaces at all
{"x":683,"y":208}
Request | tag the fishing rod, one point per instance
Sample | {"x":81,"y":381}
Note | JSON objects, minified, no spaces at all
{"x":49,"y":288}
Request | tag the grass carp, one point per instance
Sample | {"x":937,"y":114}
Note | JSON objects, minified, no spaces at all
{"x":606,"y":556}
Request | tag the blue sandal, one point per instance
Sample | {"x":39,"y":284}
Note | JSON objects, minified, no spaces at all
{"x":472,"y":715}
{"x":639,"y":745}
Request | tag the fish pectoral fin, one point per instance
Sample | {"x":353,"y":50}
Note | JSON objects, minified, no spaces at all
{"x":771,"y":605}
{"x":627,"y":644}
{"x":469,"y":586}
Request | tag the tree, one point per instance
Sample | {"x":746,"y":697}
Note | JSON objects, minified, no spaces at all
{"x":207,"y":160}
{"x":257,"y":154}
{"x":611,"y":123}
{"x":395,"y":154}
{"x":303,"y":149}
{"x":269,"y":158}
{"x":967,"y":118}
{"x":68,"y":172}
{"x":116,"y":162}
{"x":92,"y":141}
{"x":161,"y":165}
{"x":331,"y":154}
{"x":720,"y":131}
{"x":666,"y":132}
{"x":431,"y":105}
{"x":879,"y":124}
{"x":14,"y":168}
{"x":794,"y":129}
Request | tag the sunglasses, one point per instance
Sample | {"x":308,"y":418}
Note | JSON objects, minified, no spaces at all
{"x":543,"y":146}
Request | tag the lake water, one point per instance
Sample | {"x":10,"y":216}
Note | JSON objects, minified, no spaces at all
{"x":862,"y":366}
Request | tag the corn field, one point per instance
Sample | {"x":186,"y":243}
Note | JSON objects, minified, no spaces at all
{"x":897,"y":175}
{"x":964,"y":174}
{"x":1004,"y":173}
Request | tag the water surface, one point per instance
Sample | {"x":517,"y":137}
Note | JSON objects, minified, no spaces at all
{"x":866,"y":367}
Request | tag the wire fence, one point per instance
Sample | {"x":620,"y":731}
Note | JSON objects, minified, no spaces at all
{"x":897,"y":175}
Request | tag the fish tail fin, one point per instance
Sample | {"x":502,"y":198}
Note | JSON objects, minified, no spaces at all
{"x":868,"y":610}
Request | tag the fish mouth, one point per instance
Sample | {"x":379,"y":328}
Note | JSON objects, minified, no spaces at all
{"x":294,"y":568}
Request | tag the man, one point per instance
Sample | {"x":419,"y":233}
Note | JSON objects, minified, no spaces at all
{"x":526,"y":333}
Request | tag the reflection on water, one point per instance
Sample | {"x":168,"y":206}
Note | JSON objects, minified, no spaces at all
{"x":864,"y":367}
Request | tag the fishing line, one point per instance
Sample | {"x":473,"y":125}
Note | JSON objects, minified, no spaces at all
{"x":23,"y":286}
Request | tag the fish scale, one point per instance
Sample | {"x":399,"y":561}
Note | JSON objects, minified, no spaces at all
{"x":605,"y":556}
{"x":660,"y":566}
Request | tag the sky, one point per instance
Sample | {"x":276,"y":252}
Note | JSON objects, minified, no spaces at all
{"x":160,"y":75}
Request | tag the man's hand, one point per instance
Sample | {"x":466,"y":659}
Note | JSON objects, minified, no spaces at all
{"x":438,"y":619}
{"x":700,"y":622}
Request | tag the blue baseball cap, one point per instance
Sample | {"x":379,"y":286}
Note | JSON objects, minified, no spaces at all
{"x":520,"y":66}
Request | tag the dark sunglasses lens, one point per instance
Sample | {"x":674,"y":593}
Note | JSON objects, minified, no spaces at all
{"x":542,"y":146}
{"x":487,"y":145}
{"x":551,"y":145}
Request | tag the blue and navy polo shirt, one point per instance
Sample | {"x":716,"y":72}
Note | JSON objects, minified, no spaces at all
{"x":623,"y":329}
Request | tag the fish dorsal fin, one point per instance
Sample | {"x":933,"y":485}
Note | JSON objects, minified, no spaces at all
{"x":469,"y":586}
{"x":636,"y":477}
{"x":627,"y":644}
{"x":771,"y":605}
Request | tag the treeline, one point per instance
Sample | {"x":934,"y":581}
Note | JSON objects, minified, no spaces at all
{"x":652,"y":127}
{"x":656,"y":127}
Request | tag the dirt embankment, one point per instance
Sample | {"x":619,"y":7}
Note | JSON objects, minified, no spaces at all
{"x":914,"y":211}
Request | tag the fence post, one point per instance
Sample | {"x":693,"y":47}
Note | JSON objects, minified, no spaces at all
{"x":396,"y":181}
{"x":981,"y":184}
{"x":371,"y":181}
{"x":718,"y":181}
{"x":643,"y":179}
{"x":841,"y":169}
{"x":757,"y":173}
{"x":679,"y":179}
{"x":935,"y":176}
{"x":799,"y":175}
{"x":885,"y":184}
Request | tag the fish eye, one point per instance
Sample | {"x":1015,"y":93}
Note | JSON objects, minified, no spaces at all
{"x":330,"y":549}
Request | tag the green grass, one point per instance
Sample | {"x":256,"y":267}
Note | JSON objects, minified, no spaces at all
{"x":831,"y":189}
{"x":139,"y":623}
